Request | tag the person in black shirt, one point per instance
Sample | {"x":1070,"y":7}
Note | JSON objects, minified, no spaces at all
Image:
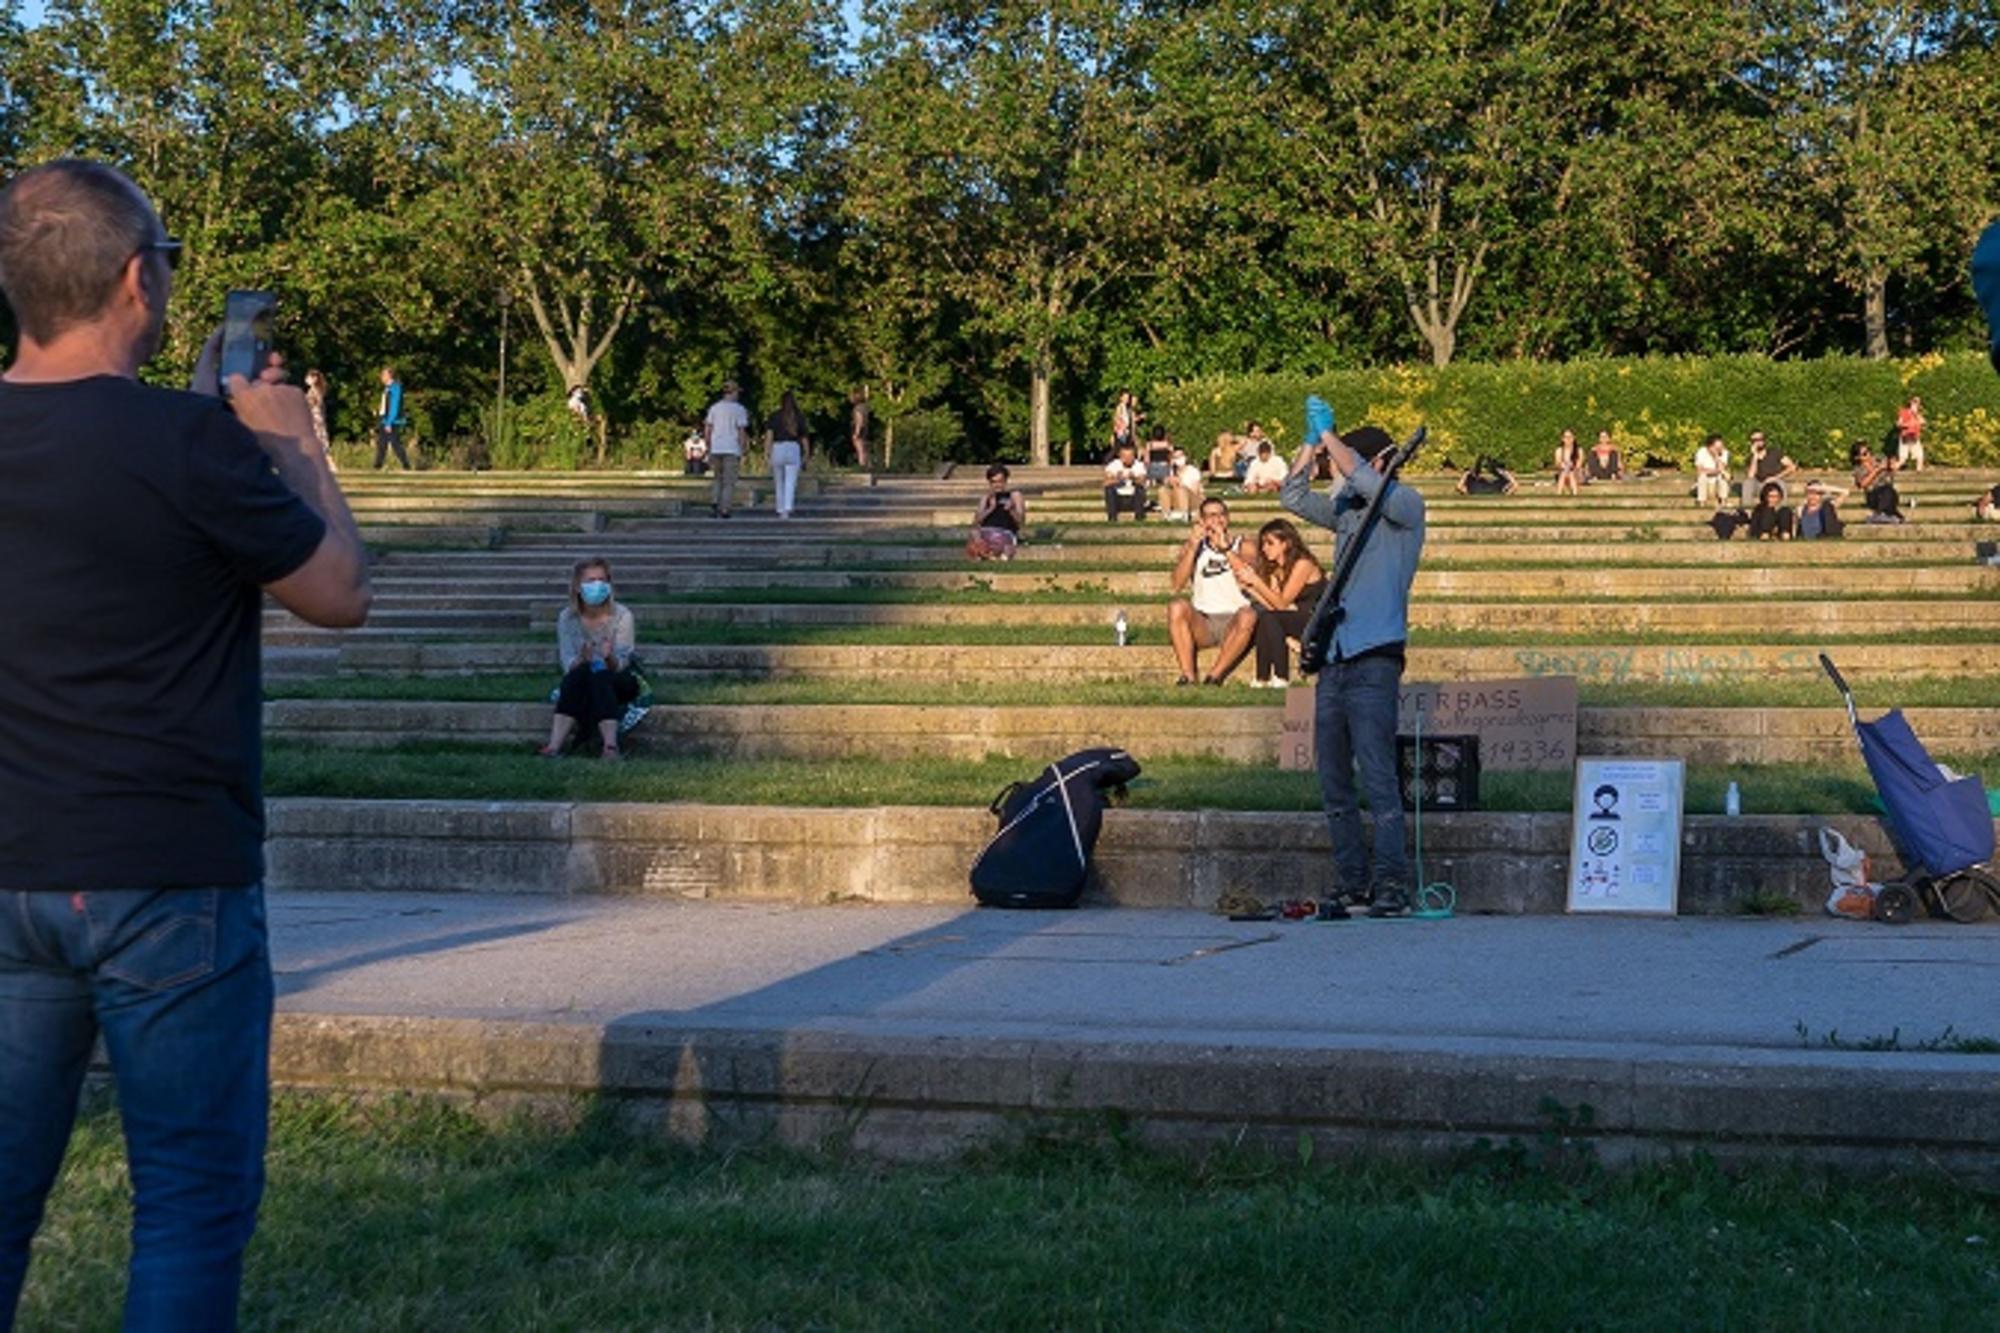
{"x":139,"y":529}
{"x":1771,"y":520}
{"x":996,"y":523}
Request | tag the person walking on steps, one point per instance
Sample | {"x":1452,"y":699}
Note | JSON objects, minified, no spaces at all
{"x":1354,"y":713}
{"x":790,"y":444}
{"x":723,"y":431}
{"x":141,"y":529}
{"x":389,"y":420}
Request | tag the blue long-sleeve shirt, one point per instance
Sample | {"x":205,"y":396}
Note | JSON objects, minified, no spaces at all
{"x":390,"y":410}
{"x":1377,"y":596}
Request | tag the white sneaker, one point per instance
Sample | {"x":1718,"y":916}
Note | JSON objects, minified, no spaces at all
{"x":1281,"y":683}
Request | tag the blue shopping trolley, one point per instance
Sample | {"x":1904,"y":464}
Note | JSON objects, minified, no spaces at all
{"x":1942,"y":825}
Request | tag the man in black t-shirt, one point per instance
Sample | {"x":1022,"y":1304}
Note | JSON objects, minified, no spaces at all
{"x":139,"y":529}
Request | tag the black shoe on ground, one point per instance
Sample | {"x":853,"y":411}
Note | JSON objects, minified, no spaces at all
{"x":1334,"y":909}
{"x":1390,"y":900}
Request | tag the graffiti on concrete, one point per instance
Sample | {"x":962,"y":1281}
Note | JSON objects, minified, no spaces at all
{"x":1677,"y":666}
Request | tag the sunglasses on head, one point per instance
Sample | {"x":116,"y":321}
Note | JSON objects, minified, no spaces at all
{"x":167,"y":247}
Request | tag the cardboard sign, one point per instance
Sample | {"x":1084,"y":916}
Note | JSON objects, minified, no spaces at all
{"x":1625,"y":836}
{"x":1522,"y":725}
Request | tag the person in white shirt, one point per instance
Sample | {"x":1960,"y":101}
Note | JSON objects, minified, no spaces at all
{"x":1184,"y":487}
{"x":723,"y":430}
{"x":1216,"y":613}
{"x":1711,"y":473}
{"x":1125,"y":485}
{"x":1267,"y":474}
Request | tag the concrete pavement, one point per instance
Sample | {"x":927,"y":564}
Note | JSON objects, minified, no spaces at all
{"x":916,"y":1030}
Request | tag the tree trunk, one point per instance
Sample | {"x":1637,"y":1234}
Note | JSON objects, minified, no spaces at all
{"x":1038,"y":409}
{"x":1875,"y":313}
{"x":888,"y":442}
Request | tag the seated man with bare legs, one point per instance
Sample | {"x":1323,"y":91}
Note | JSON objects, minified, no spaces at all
{"x":1216,"y":614}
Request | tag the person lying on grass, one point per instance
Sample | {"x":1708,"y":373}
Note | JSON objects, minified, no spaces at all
{"x":1487,"y":477}
{"x":595,"y":637}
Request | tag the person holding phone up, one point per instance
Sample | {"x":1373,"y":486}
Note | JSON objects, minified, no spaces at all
{"x":141,"y":529}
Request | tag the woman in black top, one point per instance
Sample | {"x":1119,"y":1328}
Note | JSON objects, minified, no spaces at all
{"x":1604,"y":462}
{"x":786,"y":431}
{"x":996,"y":523}
{"x":1771,"y":520}
{"x":1284,"y":583}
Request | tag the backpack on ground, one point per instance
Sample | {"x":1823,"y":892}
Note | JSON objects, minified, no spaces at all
{"x":1048,"y":829}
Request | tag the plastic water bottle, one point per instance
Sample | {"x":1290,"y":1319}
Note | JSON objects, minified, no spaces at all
{"x":1120,"y":627}
{"x":1732,"y":801}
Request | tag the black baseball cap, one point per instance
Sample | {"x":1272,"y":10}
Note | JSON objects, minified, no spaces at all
{"x":1367,"y":441}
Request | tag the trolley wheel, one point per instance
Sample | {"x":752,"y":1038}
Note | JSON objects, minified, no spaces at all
{"x":1897,"y":905}
{"x":1968,"y":896}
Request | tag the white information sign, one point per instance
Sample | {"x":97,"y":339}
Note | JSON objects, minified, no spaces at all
{"x":1625,"y":836}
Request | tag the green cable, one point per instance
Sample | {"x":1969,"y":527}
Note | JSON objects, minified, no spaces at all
{"x":1434,"y":902}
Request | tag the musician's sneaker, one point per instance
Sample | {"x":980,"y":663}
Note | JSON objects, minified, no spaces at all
{"x":1390,"y":900}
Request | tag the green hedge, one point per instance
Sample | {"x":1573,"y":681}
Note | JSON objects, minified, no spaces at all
{"x":1515,"y":411}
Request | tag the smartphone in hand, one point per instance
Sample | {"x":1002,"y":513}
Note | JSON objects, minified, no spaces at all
{"x":246,"y":335}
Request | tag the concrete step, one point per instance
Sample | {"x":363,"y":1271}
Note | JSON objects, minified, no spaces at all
{"x":1504,"y":863}
{"x":1435,"y":577}
{"x":1847,"y":618}
{"x":1610,"y":665}
{"x":919,"y":1032}
{"x":1248,"y":735}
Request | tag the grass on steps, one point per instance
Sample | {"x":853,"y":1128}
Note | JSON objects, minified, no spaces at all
{"x":466,"y":772}
{"x":1970,"y":692}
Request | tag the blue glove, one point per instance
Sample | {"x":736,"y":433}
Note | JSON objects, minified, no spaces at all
{"x":1986,"y":284}
{"x":1319,"y":419}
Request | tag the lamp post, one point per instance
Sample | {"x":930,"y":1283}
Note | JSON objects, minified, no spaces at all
{"x":506,"y":305}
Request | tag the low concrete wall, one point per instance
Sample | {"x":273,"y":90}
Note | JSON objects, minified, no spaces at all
{"x":930,"y":1097}
{"x":1506,"y":863}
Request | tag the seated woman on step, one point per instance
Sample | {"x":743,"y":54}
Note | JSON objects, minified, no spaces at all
{"x":1283,"y":582}
{"x":595,"y":637}
{"x":996,"y":523}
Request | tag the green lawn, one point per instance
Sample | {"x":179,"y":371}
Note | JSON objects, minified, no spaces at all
{"x":475,"y":772}
{"x":1806,"y":692}
{"x":409,"y":1215}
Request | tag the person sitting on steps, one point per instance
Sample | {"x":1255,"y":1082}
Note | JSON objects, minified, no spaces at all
{"x":595,"y":636}
{"x":1267,"y":474}
{"x":1819,"y":516}
{"x":1183,"y":489}
{"x":1772,"y":519}
{"x":1216,"y":614}
{"x":1569,"y":464}
{"x":1125,"y":485}
{"x":1875,"y":478}
{"x":997,"y":522}
{"x":1284,"y":583}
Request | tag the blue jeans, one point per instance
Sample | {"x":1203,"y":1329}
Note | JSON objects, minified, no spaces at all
{"x":178,"y":982}
{"x":1354,"y":725}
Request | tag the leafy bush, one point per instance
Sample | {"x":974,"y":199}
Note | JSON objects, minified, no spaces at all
{"x":1813,"y":410}
{"x":651,"y":446}
{"x":924,"y":439}
{"x":540,"y":433}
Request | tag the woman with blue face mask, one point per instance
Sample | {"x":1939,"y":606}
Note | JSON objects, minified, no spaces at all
{"x":594,"y":641}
